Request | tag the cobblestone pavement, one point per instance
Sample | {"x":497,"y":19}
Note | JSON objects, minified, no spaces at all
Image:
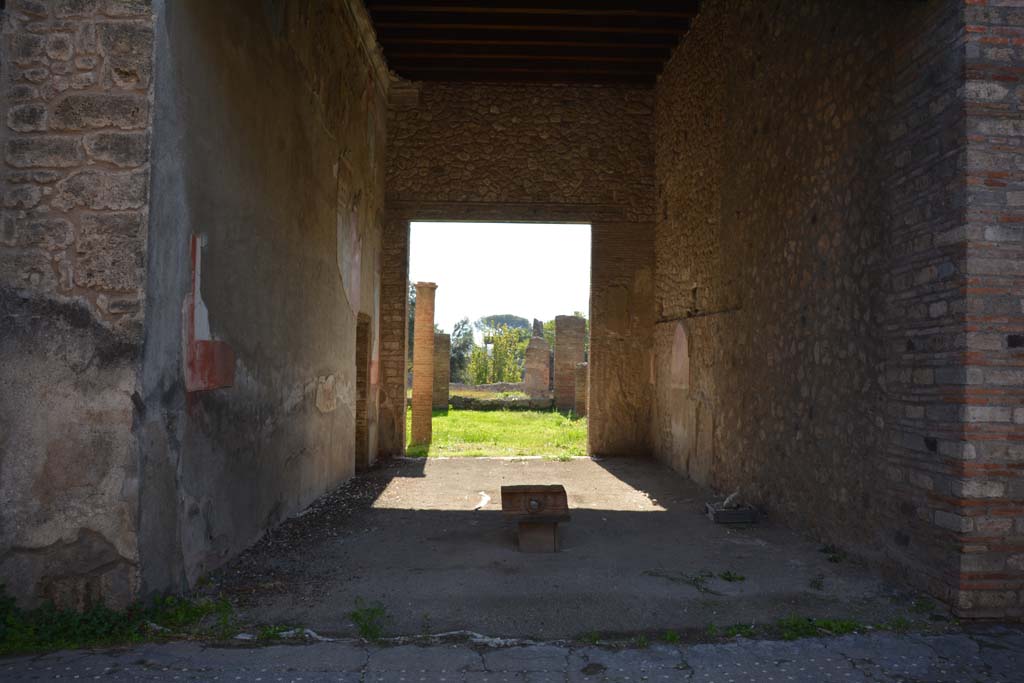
{"x":991,"y":654}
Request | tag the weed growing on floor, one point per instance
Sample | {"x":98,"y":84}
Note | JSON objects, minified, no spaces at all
{"x":897,"y":625}
{"x":273,"y":632}
{"x":739,"y":631}
{"x":731,"y":577}
{"x":48,"y":627}
{"x":641,"y":642}
{"x":369,"y":620}
{"x":671,"y":637}
{"x":835,"y":553}
{"x":711,"y":631}
{"x":922,"y":606}
{"x":591,"y":638}
{"x":818,"y":582}
{"x":698,"y":580}
{"x":794,"y":627}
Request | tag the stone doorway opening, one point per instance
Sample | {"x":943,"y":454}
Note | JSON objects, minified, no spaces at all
{"x":510,"y":314}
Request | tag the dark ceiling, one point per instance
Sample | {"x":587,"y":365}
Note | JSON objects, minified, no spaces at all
{"x":564,"y":41}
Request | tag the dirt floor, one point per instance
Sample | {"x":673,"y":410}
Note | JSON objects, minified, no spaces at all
{"x":638,"y":556}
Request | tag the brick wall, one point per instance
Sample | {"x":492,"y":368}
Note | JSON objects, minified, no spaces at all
{"x":77,"y":84}
{"x":814,"y":272}
{"x":394,"y":326}
{"x":569,"y":336}
{"x":423,"y":364}
{"x":987,"y":508}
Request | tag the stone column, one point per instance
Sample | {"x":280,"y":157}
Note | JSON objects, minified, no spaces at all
{"x":442,"y":369}
{"x":569,"y":334}
{"x":581,"y":390}
{"x":423,"y":363}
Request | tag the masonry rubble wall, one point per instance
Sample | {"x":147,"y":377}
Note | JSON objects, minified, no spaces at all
{"x":836,"y":283}
{"x":269,"y":142}
{"x":77,"y":83}
{"x":512,"y":152}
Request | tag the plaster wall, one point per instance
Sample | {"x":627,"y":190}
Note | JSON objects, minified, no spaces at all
{"x":270,"y":119}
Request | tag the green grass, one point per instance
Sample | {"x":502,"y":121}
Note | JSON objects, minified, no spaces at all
{"x":503,"y":433}
{"x":369,"y":620}
{"x":48,"y":628}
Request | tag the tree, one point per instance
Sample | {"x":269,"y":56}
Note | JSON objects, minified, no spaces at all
{"x":478,"y":369}
{"x":462,"y":347}
{"x":490,"y":323}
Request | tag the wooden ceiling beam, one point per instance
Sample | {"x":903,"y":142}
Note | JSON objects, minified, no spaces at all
{"x":407,"y":57}
{"x":634,"y":80}
{"x":385,"y":25}
{"x":678,"y":10}
{"x":391,"y":37}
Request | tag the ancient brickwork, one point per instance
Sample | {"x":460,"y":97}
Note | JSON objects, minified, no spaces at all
{"x":580,"y":389}
{"x":987,"y":512}
{"x":394,"y":323}
{"x":442,"y":369}
{"x":423,"y":364}
{"x":76,"y":82}
{"x":548,"y":153}
{"x":809,"y":277}
{"x":537,"y":367}
{"x":569,"y":337}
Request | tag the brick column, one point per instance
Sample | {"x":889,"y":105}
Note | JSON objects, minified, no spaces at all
{"x":581,"y":390}
{"x":394,"y":324}
{"x":537,"y":368}
{"x":569,"y":333}
{"x":423,"y":363}
{"x":442,"y":369}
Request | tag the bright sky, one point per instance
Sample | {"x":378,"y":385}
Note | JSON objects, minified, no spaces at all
{"x":526,"y":269}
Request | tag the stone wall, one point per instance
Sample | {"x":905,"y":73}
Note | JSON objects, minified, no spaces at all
{"x":442,"y":370}
{"x":76,"y":80}
{"x":988,"y":517}
{"x":269,"y":141}
{"x":815,"y":277}
{"x":621,"y":334}
{"x":545,"y":153}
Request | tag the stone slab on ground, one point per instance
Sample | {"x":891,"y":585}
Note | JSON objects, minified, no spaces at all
{"x":991,"y":653}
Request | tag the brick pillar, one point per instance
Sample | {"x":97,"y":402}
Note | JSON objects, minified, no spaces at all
{"x":569,"y":333}
{"x":581,"y":390}
{"x":537,"y":368}
{"x":442,"y":369}
{"x":423,"y":363}
{"x":394,"y":325}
